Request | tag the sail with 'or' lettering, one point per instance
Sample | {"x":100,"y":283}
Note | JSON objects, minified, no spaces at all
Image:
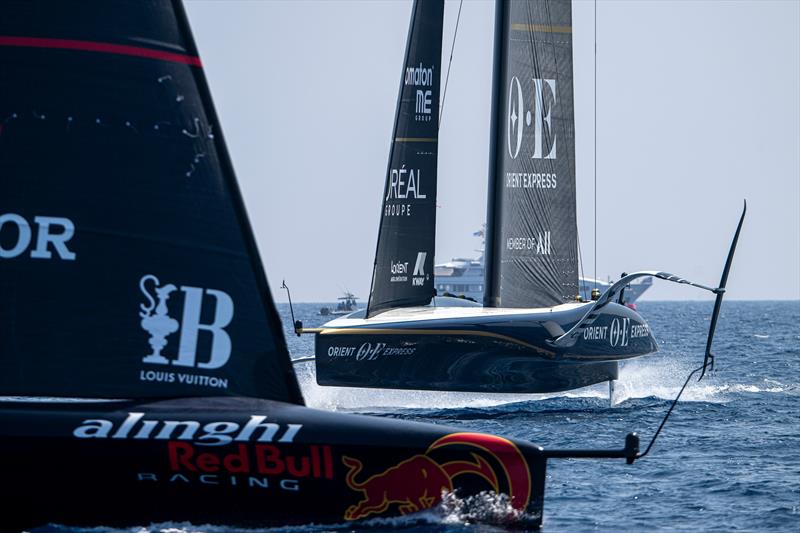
{"x":128,"y":268}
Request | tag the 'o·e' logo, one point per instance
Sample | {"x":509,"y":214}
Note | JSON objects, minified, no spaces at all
{"x":540,"y":117}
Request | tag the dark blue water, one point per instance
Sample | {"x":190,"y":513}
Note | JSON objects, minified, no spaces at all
{"x":729,"y":459}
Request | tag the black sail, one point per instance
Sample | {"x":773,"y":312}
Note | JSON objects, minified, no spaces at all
{"x":532,"y":251}
{"x":128,"y":268}
{"x":403,"y":271}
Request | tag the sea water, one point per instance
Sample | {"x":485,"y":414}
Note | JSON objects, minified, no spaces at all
{"x":727,"y":460}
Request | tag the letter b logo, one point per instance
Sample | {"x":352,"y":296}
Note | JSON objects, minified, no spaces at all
{"x":191,"y":327}
{"x":155,"y":319}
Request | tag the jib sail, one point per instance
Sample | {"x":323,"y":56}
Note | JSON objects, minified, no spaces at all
{"x":127,"y":265}
{"x":403,"y":271}
{"x":532,"y":249}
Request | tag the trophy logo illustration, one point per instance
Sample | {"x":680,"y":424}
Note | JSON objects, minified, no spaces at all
{"x":155,"y":318}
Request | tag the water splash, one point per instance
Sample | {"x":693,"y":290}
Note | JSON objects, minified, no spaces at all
{"x":650,"y":377}
{"x":351,"y":398}
{"x":485,"y":508}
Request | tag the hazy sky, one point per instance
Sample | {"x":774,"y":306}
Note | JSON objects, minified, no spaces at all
{"x":698,"y":107}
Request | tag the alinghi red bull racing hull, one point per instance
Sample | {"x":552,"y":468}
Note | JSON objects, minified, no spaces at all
{"x":243,"y":461}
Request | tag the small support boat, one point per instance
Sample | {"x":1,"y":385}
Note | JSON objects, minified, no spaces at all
{"x":347,"y":304}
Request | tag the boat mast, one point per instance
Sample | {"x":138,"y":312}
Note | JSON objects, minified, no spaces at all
{"x":489,"y":293}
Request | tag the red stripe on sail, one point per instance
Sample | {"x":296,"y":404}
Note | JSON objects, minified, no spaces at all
{"x":106,"y":48}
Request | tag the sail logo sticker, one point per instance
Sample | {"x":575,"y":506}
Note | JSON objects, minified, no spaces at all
{"x":403,"y":185}
{"x":416,"y":77}
{"x":52,"y":235}
{"x":399,"y":272}
{"x":539,"y":116}
{"x":423,"y":106}
{"x":538,"y":245}
{"x":418,"y":277}
{"x":156,"y":321}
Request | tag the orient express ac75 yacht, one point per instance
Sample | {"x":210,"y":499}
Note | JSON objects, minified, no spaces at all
{"x":532,"y":334}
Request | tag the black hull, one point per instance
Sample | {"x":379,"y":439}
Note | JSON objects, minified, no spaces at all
{"x":455,"y":364}
{"x":99,"y":464}
{"x":505,"y":353}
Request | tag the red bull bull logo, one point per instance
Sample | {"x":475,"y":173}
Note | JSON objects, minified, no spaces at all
{"x":419,"y":482}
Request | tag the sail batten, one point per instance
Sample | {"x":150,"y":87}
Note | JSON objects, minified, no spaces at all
{"x":532,"y":250}
{"x":403,"y":270}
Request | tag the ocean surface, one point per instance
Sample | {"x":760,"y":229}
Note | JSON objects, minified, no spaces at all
{"x":727,"y":460}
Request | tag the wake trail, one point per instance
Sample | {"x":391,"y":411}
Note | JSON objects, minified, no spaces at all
{"x":638,"y":379}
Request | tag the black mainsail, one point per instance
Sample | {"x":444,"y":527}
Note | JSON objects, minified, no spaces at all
{"x":531,"y":253}
{"x":128,"y":268}
{"x":403,"y":272}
